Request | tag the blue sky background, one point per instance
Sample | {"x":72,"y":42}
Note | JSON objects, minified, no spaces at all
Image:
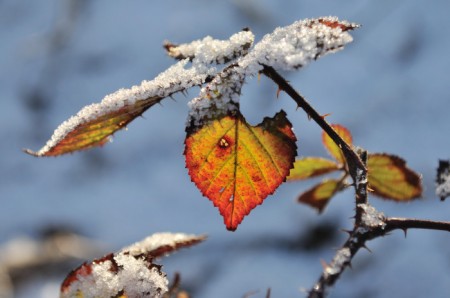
{"x":390,"y":87}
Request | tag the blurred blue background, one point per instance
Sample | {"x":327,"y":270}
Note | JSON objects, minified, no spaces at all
{"x":390,"y":87}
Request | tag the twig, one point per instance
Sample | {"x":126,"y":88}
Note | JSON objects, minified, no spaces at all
{"x":369,"y":223}
{"x":353,"y":160}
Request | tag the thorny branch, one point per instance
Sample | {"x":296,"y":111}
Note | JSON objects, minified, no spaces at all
{"x":369,"y":223}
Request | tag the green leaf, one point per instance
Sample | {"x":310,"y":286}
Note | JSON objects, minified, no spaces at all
{"x":390,"y":178}
{"x":309,"y":167}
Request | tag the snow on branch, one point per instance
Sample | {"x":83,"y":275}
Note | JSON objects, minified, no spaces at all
{"x":94,"y":124}
{"x":287,"y":48}
{"x":443,"y":179}
{"x":219,"y":98}
{"x":128,"y":273}
{"x":209,"y":50}
{"x":294,"y":46}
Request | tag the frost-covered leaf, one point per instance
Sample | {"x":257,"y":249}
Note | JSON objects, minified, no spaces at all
{"x":93,"y":125}
{"x":210,"y":50}
{"x":309,"y":167}
{"x":294,"y":46}
{"x":390,"y":178}
{"x":128,"y":273}
{"x":161,"y":244}
{"x":443,"y":179}
{"x":236,"y":165}
{"x":319,"y":195}
{"x":331,"y":146}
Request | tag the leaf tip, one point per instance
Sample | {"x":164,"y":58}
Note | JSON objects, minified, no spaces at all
{"x":31,"y":152}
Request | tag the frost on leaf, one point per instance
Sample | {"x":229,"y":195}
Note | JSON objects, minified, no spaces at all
{"x":218,"y":99}
{"x":128,"y":273}
{"x":296,"y":45}
{"x":237,"y":165}
{"x":209,"y":50}
{"x":319,"y":195}
{"x":94,"y":124}
{"x":309,"y":167}
{"x":390,"y":178}
{"x":443,"y":179}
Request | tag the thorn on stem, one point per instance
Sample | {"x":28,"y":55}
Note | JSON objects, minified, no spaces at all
{"x":349,"y":232}
{"x":324,"y":264}
{"x":365,"y":247}
{"x":278,"y":91}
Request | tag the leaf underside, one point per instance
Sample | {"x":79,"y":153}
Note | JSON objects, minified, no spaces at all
{"x":319,"y":195}
{"x":390,"y":178}
{"x":236,"y":165}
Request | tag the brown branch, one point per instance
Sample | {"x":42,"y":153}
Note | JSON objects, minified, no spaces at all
{"x":353,"y":160}
{"x":398,"y":223}
{"x":369,"y":223}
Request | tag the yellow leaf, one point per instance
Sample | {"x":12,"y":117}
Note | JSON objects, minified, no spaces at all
{"x":319,"y":196}
{"x":308,"y":167}
{"x":332,"y":148}
{"x":236,"y":165}
{"x":390,"y":178}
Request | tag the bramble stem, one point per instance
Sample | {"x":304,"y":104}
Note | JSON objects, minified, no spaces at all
{"x":353,"y":160}
{"x":369,"y":223}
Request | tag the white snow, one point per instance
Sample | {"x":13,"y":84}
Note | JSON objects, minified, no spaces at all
{"x":219,"y":97}
{"x":443,"y":186}
{"x":136,"y":276}
{"x":158,"y":240}
{"x":341,"y":258}
{"x":133,"y":272}
{"x":371,"y":217}
{"x":294,"y":46}
{"x":287,"y":48}
{"x":209,"y":50}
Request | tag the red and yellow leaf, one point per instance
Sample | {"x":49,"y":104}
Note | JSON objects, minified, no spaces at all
{"x":390,"y":178}
{"x":236,"y":165}
{"x":92,"y":127}
{"x":332,"y":148}
{"x":319,"y":196}
{"x":309,"y":167}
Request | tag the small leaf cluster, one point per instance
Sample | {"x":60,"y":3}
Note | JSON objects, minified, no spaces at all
{"x":388,"y":175}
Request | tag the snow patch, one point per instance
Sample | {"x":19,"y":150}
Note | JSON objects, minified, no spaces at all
{"x":209,"y":50}
{"x":294,"y":46}
{"x":342,"y":257}
{"x":443,"y":179}
{"x":371,"y":217}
